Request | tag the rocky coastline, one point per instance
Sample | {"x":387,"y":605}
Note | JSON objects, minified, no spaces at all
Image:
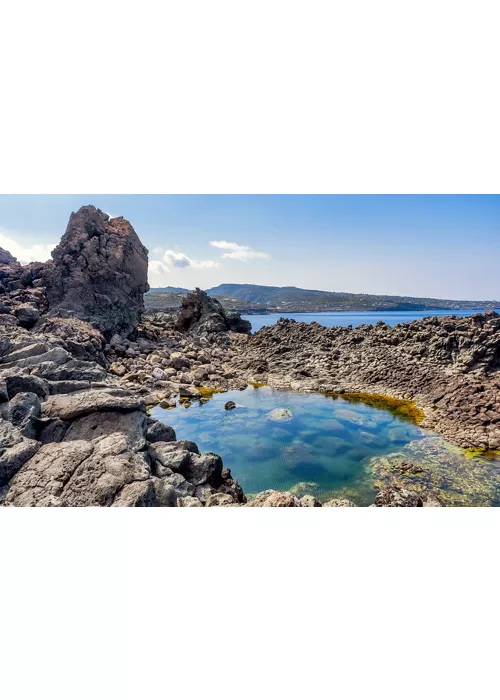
{"x":81,"y":361}
{"x":448,"y":366}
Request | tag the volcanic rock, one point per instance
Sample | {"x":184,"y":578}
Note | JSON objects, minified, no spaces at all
{"x":98,"y":273}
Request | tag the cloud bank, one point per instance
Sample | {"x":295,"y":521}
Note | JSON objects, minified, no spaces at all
{"x":39,"y":252}
{"x":238,"y":252}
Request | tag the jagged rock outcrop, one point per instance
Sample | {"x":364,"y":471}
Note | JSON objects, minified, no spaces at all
{"x":449,"y":366}
{"x":6,"y":258}
{"x":98,"y":273}
{"x":201,"y":315}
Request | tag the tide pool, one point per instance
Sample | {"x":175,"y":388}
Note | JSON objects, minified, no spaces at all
{"x":330,"y":448}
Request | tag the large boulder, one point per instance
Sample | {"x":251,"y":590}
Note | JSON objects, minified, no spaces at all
{"x":202,"y":314}
{"x":98,"y":273}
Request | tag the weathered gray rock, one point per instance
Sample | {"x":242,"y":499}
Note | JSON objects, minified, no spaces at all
{"x":218,"y":500}
{"x":189,"y":502}
{"x":71,"y":406}
{"x":132,"y":426}
{"x":309,"y":502}
{"x":139,"y":494}
{"x":15,"y":450}
{"x":396,"y":497}
{"x":168,"y":457}
{"x":274,"y":499}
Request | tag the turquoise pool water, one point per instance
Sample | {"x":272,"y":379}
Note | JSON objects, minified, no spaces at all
{"x":329,"y":447}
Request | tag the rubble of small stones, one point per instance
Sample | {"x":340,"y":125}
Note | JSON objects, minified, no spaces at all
{"x":449,"y":366}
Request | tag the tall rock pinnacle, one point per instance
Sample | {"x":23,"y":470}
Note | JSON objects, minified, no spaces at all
{"x":98,"y":272}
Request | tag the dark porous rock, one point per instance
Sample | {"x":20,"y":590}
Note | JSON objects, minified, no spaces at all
{"x":6,"y":258}
{"x":23,"y":411}
{"x":98,"y":273}
{"x":204,"y":469}
{"x":231,"y":487}
{"x":236,"y":324}
{"x":159,"y":432}
{"x":27,"y":383}
{"x":229,"y":405}
{"x":188,"y":445}
{"x":4,"y":394}
{"x":168,"y":457}
{"x":51,"y":430}
{"x":82,"y":340}
{"x":27,"y":315}
{"x":396,"y":497}
{"x":201,"y":315}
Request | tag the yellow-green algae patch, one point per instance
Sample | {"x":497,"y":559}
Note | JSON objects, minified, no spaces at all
{"x":207,"y":392}
{"x":257,"y":385}
{"x":403,"y":408}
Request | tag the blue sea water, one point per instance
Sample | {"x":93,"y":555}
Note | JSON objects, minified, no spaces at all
{"x":329,"y":448}
{"x":356,"y":318}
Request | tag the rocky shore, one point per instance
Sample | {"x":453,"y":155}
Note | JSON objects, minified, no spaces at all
{"x":80,"y":362}
{"x":448,"y":366}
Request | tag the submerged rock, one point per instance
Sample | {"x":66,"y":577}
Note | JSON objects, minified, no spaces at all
{"x":281,"y":415}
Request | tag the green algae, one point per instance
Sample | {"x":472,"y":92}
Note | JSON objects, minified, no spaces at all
{"x":456,"y":478}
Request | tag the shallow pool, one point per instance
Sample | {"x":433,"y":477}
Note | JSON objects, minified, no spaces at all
{"x":330,"y":447}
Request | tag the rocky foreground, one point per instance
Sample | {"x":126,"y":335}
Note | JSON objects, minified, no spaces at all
{"x":80,"y":362}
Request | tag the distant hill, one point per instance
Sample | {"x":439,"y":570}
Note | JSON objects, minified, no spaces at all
{"x":296,"y":299}
{"x":166,"y":290}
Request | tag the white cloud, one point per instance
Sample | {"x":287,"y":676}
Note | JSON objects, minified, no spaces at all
{"x":173,"y":259}
{"x":238,"y":252}
{"x":39,"y":252}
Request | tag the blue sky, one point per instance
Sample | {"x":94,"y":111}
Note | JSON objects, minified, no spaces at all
{"x":419,"y":245}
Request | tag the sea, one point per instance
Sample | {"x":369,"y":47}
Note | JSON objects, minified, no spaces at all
{"x":356,"y":318}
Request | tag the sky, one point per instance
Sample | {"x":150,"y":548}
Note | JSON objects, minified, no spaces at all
{"x":444,"y":246}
